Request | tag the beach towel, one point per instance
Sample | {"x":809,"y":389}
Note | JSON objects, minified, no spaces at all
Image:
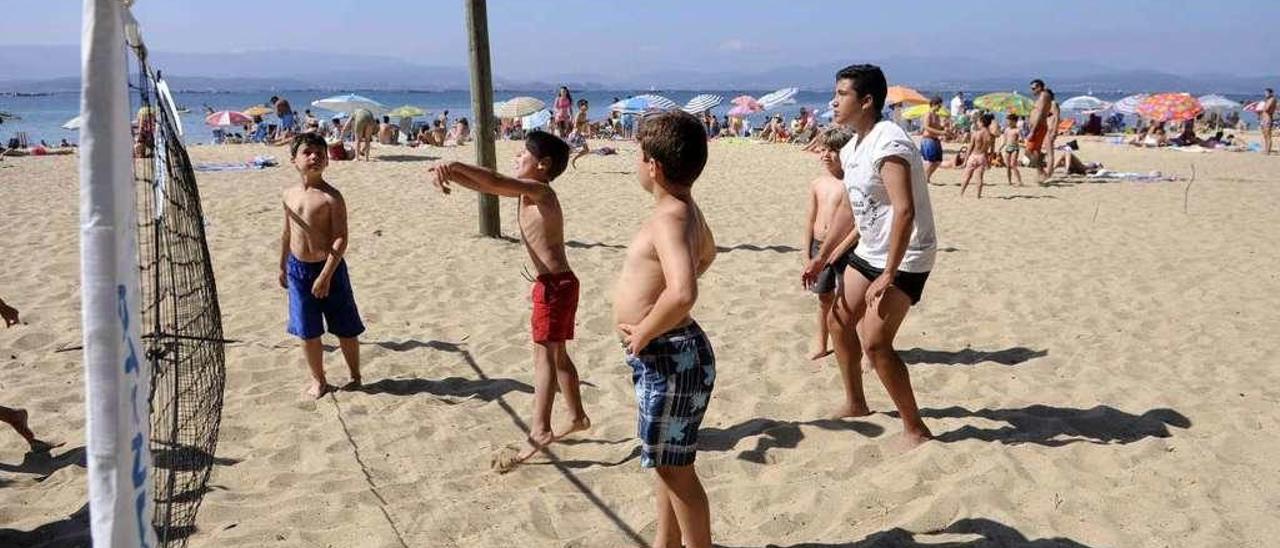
{"x":1148,"y":177}
{"x":258,"y":162}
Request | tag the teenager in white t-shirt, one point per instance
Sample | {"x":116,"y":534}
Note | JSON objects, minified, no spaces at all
{"x":889,"y":199}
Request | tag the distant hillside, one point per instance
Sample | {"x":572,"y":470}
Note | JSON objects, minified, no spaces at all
{"x":46,"y":69}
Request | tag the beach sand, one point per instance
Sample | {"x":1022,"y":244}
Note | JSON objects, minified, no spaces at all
{"x":1099,"y":366}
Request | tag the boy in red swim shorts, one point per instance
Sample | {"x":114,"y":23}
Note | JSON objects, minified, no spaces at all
{"x":555,"y":290}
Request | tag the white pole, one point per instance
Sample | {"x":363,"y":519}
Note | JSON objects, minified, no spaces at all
{"x":117,"y":372}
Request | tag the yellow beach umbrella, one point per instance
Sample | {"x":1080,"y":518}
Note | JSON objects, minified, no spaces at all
{"x":919,"y":111}
{"x":407,"y":111}
{"x":257,"y":110}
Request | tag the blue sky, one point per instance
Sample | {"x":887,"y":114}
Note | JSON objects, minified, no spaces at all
{"x":533,"y":37}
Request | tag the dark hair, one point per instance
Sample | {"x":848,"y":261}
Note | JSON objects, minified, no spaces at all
{"x":1269,"y":90}
{"x":306,"y":139}
{"x":545,"y":146}
{"x":935,"y":100}
{"x":836,"y":138}
{"x":386,"y":119}
{"x":867,"y":79}
{"x":566,"y":93}
{"x":987,"y":119}
{"x":582,"y":102}
{"x":273,"y":99}
{"x":464,"y":121}
{"x":678,"y":142}
{"x":1037,"y":82}
{"x":1012,"y":117}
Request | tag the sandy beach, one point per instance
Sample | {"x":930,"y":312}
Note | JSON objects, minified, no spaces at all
{"x":1097,"y":359}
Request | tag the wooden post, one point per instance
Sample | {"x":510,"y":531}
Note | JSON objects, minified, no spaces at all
{"x":482,"y":109}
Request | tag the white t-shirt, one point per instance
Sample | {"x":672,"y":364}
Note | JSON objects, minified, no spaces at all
{"x":872,"y":210}
{"x":957,"y":106}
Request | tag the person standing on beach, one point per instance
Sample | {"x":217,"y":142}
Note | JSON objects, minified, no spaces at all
{"x":563,"y":104}
{"x":1039,"y":127}
{"x":826,"y":194}
{"x":931,"y":134}
{"x":363,"y":126}
{"x":981,"y":142}
{"x":555,"y":289}
{"x":957,"y":105}
{"x":1266,"y":117}
{"x":313,"y":268}
{"x":891,"y":212}
{"x":672,"y":363}
{"x":1051,"y":136}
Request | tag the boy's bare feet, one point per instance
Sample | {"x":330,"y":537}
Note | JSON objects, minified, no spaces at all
{"x":574,"y":426}
{"x":850,"y":411}
{"x":507,"y":459}
{"x":911,"y":439}
{"x":317,"y":390}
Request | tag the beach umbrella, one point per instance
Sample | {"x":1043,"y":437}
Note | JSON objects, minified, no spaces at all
{"x":902,"y":94}
{"x":227,"y":118}
{"x":407,"y":111}
{"x":1129,"y":105}
{"x":1255,"y":106}
{"x":1170,"y":107}
{"x":747,"y":101}
{"x":657,"y":102}
{"x":349,"y":103}
{"x":1218,"y":103}
{"x":702,"y":103}
{"x":73,"y":123}
{"x":1085,"y":103}
{"x":518,"y":107}
{"x":257,"y":110}
{"x":919,"y":111}
{"x":777,"y":98}
{"x":1005,"y":102}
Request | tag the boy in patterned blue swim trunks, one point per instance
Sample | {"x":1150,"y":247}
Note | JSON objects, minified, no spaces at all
{"x":671,"y":360}
{"x":312,"y":268}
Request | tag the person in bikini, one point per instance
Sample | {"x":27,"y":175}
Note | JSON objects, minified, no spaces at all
{"x":555,"y":289}
{"x":980,"y":144}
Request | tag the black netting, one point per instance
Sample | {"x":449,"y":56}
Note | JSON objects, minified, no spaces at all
{"x":182,"y":325}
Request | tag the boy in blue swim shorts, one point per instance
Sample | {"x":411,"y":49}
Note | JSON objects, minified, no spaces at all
{"x":312,"y":267}
{"x":671,"y":361}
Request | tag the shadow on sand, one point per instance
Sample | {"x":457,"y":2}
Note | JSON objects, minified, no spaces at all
{"x":988,"y":533}
{"x":773,"y":434}
{"x":1058,"y":426}
{"x":969,"y":356}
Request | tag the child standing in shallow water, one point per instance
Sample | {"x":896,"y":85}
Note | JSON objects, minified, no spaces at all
{"x":554,"y":292}
{"x":673,"y":366}
{"x":312,"y":267}
{"x":826,"y":194}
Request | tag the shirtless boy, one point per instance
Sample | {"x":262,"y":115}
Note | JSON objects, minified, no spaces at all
{"x":672,"y":363}
{"x":1010,"y":148}
{"x":980,"y":144}
{"x":555,"y":290}
{"x":312,"y":267}
{"x":826,"y":194}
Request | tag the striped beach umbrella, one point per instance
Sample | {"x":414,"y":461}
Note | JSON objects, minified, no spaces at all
{"x":349,"y":103}
{"x":224,"y":118}
{"x":781,"y":97}
{"x":1129,"y":105}
{"x":702,"y":103}
{"x":538,"y":119}
{"x":518,"y":107}
{"x":657,"y":102}
{"x":1218,"y":103}
{"x":903,"y":94}
{"x":1085,"y":103}
{"x":1005,"y":102}
{"x":1255,"y":106}
{"x":1170,"y":107}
